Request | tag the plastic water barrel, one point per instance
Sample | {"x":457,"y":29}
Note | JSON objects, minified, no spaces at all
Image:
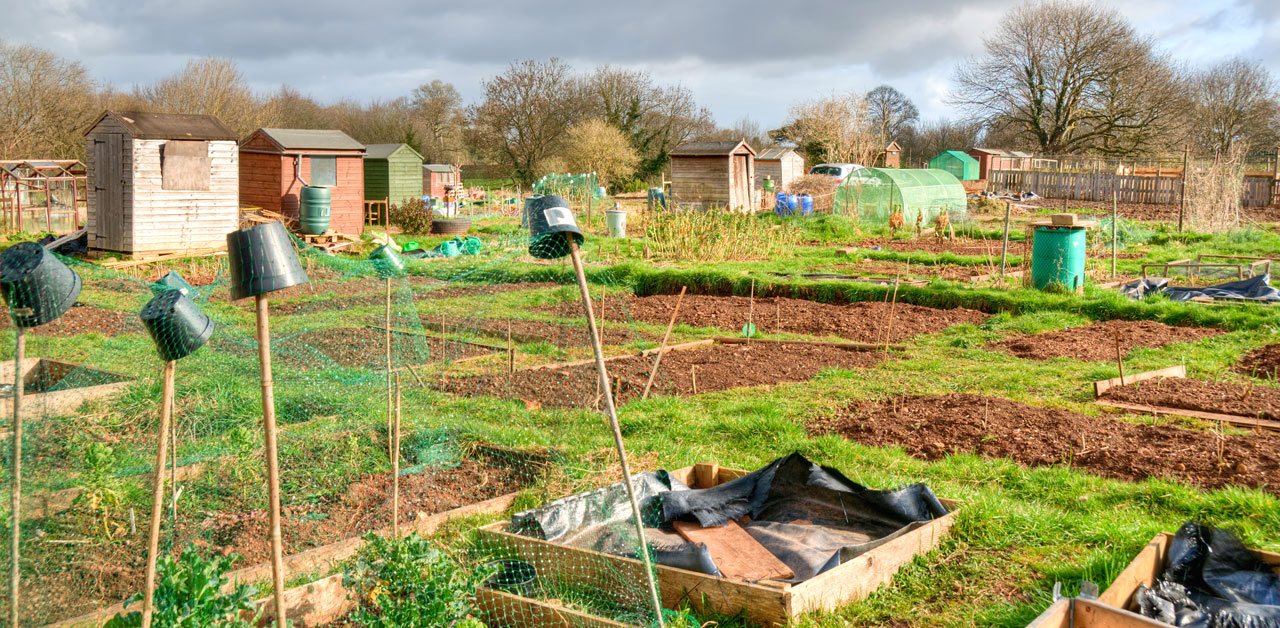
{"x":657,"y":198}
{"x":617,"y":221}
{"x":780,"y":206}
{"x":767,"y":186}
{"x":793,"y":203}
{"x":806,"y":204}
{"x":313,"y":217}
{"x":1057,"y":258}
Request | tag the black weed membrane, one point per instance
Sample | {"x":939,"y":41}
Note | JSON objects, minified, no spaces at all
{"x":457,"y":360}
{"x":1211,"y":580}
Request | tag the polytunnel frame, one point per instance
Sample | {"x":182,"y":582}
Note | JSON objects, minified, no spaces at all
{"x":917,"y":192}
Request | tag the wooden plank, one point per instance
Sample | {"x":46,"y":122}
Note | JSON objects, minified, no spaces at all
{"x":1103,"y":386}
{"x":737,"y":554}
{"x":1232,"y":419}
{"x":311,"y":605}
{"x":706,"y":474}
{"x":849,"y":346}
{"x":647,"y":352}
{"x":499,"y":609}
{"x":1143,"y":570}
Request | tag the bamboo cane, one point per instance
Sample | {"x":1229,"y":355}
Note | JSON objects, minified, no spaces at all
{"x":273,"y":465}
{"x":395,"y":469}
{"x":663,"y":349}
{"x":157,"y":494}
{"x":603,"y":373}
{"x":1119,"y":358}
{"x":390,"y":410}
{"x":15,"y":482}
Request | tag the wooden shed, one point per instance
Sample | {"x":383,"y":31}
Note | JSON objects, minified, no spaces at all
{"x":392,"y":172}
{"x":713,"y":174}
{"x":783,"y":165}
{"x":276,"y":163}
{"x":995,"y":159}
{"x":436,"y":176}
{"x":893,"y":155}
{"x":160,"y":182}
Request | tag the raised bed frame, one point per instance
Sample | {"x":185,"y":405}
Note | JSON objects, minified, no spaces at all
{"x":774,"y":604}
{"x":1103,"y":386}
{"x":1081,"y":613}
{"x":58,"y":402}
{"x":1148,"y":565}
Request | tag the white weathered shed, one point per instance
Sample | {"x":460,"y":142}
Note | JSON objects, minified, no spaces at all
{"x":781,"y":164}
{"x":161,"y":182}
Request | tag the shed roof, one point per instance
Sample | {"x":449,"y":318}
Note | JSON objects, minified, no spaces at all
{"x":712,"y":149}
{"x":146,"y":125}
{"x":774,"y":154}
{"x":893,"y":146}
{"x":991,"y":151}
{"x":311,"y":139}
{"x":439,"y":168}
{"x":383,"y":151}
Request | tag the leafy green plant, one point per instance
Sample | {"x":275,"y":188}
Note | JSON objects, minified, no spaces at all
{"x":413,"y":216}
{"x":189,"y":595}
{"x":407,"y":583}
{"x":101,"y":491}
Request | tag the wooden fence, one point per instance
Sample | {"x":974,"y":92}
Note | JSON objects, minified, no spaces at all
{"x":1097,"y":186}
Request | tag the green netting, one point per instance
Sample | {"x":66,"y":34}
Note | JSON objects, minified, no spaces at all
{"x":569,"y":185}
{"x":875,"y":194}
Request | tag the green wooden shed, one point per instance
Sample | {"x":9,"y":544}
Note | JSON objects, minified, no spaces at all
{"x":958,"y":163}
{"x":392,"y":172}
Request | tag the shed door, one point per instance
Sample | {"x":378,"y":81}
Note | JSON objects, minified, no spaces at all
{"x":741,"y":184}
{"x":108,"y":189}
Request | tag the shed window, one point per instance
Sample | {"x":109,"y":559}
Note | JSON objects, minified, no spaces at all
{"x":184,"y":165}
{"x":324,"y":171}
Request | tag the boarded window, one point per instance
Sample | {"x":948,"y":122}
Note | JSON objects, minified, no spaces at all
{"x":324,"y":171}
{"x":184,"y":165}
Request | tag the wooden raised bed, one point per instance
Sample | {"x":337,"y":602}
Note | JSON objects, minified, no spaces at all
{"x":1102,"y":386}
{"x":58,"y":402}
{"x":1149,"y":565}
{"x":1080,"y":613}
{"x":774,"y":604}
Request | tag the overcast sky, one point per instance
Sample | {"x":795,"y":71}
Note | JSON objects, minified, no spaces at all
{"x":740,"y":57}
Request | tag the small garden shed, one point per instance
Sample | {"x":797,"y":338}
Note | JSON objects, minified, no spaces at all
{"x":959,"y":164}
{"x":276,"y":163}
{"x":436,"y":176}
{"x":714,"y":174}
{"x":878,"y":192}
{"x":160,"y":182}
{"x":392,"y":172}
{"x":783,"y":165}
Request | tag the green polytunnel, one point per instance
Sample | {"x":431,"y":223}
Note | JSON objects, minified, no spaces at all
{"x":959,"y":164}
{"x":875,"y":193}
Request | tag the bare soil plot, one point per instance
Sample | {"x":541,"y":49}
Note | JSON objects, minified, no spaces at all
{"x":70,"y":580}
{"x":525,"y":331}
{"x":931,"y":427}
{"x":82,"y":319}
{"x":715,"y":367}
{"x":1261,"y":402}
{"x":1263,"y":362}
{"x":1096,"y":342}
{"x":365,"y":347}
{"x":865,"y":321}
{"x":372,"y":291}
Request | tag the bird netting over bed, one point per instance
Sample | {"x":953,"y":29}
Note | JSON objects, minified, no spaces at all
{"x":875,"y":194}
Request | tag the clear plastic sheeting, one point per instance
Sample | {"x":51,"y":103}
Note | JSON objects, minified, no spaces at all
{"x":875,"y":194}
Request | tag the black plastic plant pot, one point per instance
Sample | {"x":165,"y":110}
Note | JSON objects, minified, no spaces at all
{"x":387,"y":262}
{"x":176,"y":325}
{"x":513,"y":576}
{"x":36,"y":285}
{"x":549,"y":218}
{"x":262,"y":260}
{"x":174,"y":281}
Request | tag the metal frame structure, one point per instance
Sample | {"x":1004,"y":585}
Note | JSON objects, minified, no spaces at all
{"x":21,"y":178}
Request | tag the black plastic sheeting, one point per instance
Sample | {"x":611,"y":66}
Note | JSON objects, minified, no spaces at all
{"x":1254,"y":288}
{"x":1211,"y":580}
{"x":811,"y":517}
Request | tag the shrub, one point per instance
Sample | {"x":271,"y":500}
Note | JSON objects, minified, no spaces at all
{"x":412,"y":216}
{"x":407,"y":583}
{"x":189,"y":595}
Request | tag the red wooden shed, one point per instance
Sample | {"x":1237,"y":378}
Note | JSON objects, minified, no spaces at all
{"x":276,"y":163}
{"x":436,"y":176}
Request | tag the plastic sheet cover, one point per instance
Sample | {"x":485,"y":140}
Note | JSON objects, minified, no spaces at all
{"x":1254,"y":288}
{"x":811,"y":517}
{"x":1212,"y":581}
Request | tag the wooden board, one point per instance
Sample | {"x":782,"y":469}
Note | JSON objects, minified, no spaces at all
{"x":1232,"y":419}
{"x":498,"y":609}
{"x":736,"y":553}
{"x":1103,"y":386}
{"x":850,"y":346}
{"x":1149,"y":564}
{"x":1080,"y":613}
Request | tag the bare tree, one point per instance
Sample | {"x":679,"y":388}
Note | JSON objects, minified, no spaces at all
{"x":597,"y":146}
{"x":745,"y":129}
{"x":1073,"y":77}
{"x":656,"y":118}
{"x":926,"y":140}
{"x":834,"y":128}
{"x":45,"y":104}
{"x":1234,"y":103}
{"x":212,"y":85}
{"x":524,"y":114}
{"x":295,"y":111}
{"x":437,"y":112}
{"x":890,"y":112}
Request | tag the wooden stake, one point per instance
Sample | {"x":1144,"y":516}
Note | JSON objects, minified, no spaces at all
{"x":511,"y":352}
{"x":693,"y":377}
{"x":751,"y":310}
{"x":596,"y":346}
{"x":15,"y":481}
{"x":157,"y":494}
{"x":273,"y":465}
{"x":1004,"y":246}
{"x":1182,"y":198}
{"x":888,"y":331}
{"x":1115,"y":213}
{"x":663,"y":348}
{"x":777,"y":316}
{"x":395,"y":469}
{"x":390,"y":410}
{"x":1119,"y":358}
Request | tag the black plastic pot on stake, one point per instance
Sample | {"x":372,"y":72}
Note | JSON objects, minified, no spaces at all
{"x":512,"y":576}
{"x":262,"y":261}
{"x":38,"y":288}
{"x":178,"y":329}
{"x":549,"y":219}
{"x":389,"y":265}
{"x":387,"y":262}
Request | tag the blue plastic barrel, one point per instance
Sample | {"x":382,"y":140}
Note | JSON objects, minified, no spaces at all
{"x":793,"y":203}
{"x":806,"y":204}
{"x":780,"y":205}
{"x":657,"y":198}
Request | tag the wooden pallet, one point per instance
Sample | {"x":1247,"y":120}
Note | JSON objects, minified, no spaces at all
{"x":330,"y":240}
